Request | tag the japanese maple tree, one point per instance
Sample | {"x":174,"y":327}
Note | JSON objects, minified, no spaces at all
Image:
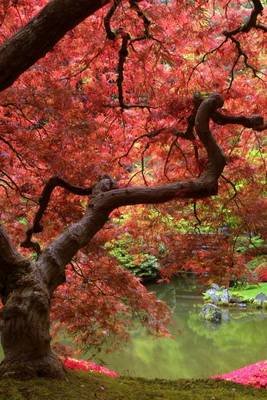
{"x":105,"y":105}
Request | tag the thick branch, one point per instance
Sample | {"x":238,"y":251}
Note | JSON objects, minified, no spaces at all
{"x":53,"y":260}
{"x":43,"y":204}
{"x":256,"y":121}
{"x":41,"y":34}
{"x":106,"y":197}
{"x":55,"y":257}
{"x":9,"y":257}
{"x":216,"y":157}
{"x":261,"y":27}
{"x":107,"y":19}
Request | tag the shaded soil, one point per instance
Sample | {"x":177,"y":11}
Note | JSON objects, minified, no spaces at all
{"x":84,"y":386}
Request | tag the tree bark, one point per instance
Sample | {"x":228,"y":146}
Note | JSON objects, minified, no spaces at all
{"x":25,"y":336}
{"x":25,"y":320}
{"x":41,"y":34}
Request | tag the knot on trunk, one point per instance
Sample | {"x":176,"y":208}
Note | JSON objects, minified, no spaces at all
{"x":104,"y":184}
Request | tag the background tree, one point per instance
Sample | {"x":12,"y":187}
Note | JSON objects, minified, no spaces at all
{"x":123,"y":98}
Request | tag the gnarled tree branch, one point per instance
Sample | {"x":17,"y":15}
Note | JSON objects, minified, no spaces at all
{"x":41,"y":34}
{"x":256,"y":121}
{"x":60,"y":252}
{"x":230,"y":35}
{"x":12,"y":264}
{"x":53,"y":182}
{"x":107,"y":20}
{"x":251,"y":22}
{"x":9,"y":257}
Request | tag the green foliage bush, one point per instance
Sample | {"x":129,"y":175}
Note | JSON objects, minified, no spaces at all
{"x":245,"y":243}
{"x":142,"y":265}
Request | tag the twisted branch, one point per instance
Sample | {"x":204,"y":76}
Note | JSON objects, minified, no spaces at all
{"x":43,"y":204}
{"x":107,"y":20}
{"x":9,"y":257}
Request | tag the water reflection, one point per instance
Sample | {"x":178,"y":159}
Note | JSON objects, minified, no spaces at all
{"x":198,"y":348}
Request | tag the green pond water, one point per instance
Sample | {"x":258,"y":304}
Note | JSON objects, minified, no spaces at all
{"x":198,"y":348}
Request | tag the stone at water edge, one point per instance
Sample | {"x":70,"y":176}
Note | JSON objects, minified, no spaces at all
{"x":225,"y":296}
{"x":260,"y":299}
{"x":218,"y":294}
{"x":211,"y":313}
{"x":212,"y":294}
{"x":215,"y":287}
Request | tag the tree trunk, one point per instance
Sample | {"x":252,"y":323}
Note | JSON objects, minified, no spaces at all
{"x":25,"y":327}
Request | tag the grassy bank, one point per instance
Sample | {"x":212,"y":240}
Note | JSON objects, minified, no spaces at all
{"x":249,"y":292}
{"x":84,"y":386}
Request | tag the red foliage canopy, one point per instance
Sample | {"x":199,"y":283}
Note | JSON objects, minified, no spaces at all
{"x":118,"y":95}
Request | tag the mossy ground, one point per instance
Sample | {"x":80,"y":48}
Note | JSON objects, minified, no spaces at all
{"x":84,"y":386}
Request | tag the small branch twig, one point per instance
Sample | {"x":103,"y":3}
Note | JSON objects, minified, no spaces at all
{"x":123,"y":53}
{"x":230,"y":35}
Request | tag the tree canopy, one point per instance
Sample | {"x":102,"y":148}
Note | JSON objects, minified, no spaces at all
{"x":111,"y":104}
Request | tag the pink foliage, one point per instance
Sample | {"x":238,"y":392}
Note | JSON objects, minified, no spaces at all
{"x":254,"y":375}
{"x":83,"y":365}
{"x":261,"y":272}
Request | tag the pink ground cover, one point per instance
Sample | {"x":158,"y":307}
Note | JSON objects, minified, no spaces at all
{"x":83,"y":365}
{"x":254,"y":375}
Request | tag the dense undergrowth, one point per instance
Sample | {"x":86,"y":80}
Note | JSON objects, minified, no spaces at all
{"x":84,"y":386}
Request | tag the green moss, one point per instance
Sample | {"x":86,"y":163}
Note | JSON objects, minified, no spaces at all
{"x":83,"y":386}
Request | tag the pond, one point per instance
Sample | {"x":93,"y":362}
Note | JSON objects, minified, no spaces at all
{"x":198,"y":348}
